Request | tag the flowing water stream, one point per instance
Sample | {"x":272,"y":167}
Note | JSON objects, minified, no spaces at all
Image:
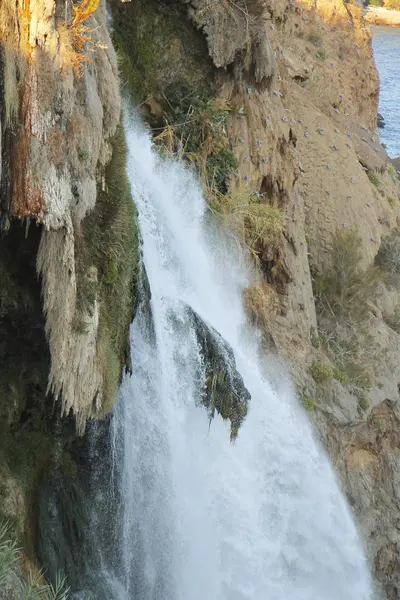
{"x":386,"y":45}
{"x":202,"y":518}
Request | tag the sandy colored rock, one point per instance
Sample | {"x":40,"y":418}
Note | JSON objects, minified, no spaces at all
{"x":67,"y":108}
{"x":376,"y":15}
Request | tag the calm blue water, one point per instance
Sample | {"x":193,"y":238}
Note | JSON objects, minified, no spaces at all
{"x":386,"y":44}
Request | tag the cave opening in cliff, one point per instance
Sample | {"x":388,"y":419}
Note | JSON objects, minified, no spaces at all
{"x":23,"y":347}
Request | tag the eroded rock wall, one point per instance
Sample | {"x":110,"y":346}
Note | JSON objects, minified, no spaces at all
{"x":68,"y":242}
{"x":61,"y":110}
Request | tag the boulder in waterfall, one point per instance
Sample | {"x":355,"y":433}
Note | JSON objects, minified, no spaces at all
{"x":224,"y":390}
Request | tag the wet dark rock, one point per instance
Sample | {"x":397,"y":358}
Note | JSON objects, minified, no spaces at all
{"x":380,"y":121}
{"x":225,"y":392}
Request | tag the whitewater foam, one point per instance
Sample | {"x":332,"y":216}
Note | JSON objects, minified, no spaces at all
{"x":202,"y":518}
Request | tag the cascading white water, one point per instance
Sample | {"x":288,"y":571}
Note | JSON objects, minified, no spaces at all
{"x":204,"y":519}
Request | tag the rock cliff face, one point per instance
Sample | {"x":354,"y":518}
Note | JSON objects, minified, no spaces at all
{"x":68,"y":244}
{"x":274,"y":102}
{"x":61,"y":110}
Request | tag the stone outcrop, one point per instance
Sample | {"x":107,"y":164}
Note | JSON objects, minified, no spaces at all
{"x":236,"y":36}
{"x":224,"y":390}
{"x":68,"y":240}
{"x":61,"y":109}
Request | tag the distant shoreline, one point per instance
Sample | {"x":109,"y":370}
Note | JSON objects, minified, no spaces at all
{"x":375,"y":15}
{"x":396,"y":163}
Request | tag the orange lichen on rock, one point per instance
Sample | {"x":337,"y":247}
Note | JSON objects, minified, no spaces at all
{"x":75,"y":36}
{"x":27,"y":199}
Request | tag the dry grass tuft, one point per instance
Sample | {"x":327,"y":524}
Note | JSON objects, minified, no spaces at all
{"x":75,"y":36}
{"x":83,"y":12}
{"x":343,"y":294}
{"x":15,"y":581}
{"x":261,"y":302}
{"x":254,"y":222}
{"x":8,"y":19}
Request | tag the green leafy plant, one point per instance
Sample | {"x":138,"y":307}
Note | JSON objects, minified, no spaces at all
{"x":322,"y":54}
{"x":364,"y":403}
{"x":315,"y":337}
{"x":323,"y":372}
{"x":308,"y":403}
{"x":195,"y":130}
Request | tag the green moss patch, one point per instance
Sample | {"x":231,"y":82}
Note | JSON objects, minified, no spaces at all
{"x":107,"y":251}
{"x":158,"y":47}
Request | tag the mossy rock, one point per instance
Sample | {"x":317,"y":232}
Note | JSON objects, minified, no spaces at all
{"x":225,"y":392}
{"x":107,"y":251}
{"x":158,"y":47}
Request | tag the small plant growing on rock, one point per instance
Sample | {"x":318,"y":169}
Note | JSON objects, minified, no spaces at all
{"x":343,"y":378}
{"x":315,"y":39}
{"x":306,"y":399}
{"x":261,"y":301}
{"x":343,"y":293}
{"x":12,"y":580}
{"x":75,"y":35}
{"x":364,"y":403}
{"x":315,"y":338}
{"x":322,"y":373}
{"x":388,"y":257}
{"x":254,"y":222}
{"x":308,"y":403}
{"x":373,"y":177}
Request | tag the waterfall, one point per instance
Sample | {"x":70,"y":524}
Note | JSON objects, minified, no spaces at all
{"x":202,"y":518}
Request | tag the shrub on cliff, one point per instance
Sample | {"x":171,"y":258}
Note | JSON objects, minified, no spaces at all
{"x":343,"y":293}
{"x":388,"y":257}
{"x":392,"y":4}
{"x":195,"y":129}
{"x":12,"y":581}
